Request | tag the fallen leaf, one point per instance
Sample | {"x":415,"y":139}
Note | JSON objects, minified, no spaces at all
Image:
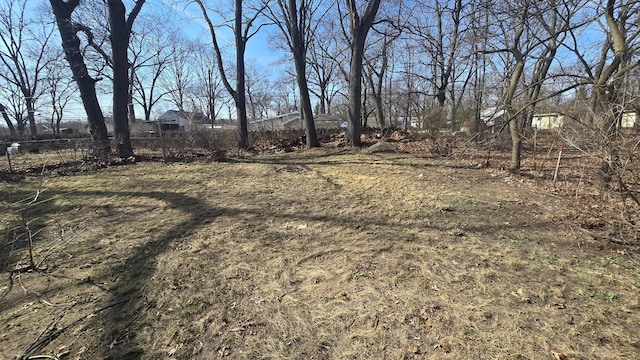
{"x":427,"y":327}
{"x":444,"y":347}
{"x":558,"y":355}
{"x":80,"y":352}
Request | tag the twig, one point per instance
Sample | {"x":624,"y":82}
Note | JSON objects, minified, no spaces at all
{"x":555,"y":174}
{"x":55,"y":245}
{"x":8,"y":287}
{"x":39,"y":344}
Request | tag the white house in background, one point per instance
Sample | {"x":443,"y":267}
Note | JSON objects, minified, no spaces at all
{"x":493,"y":116}
{"x":629,"y":119}
{"x":177,"y":119}
{"x":411,"y":121}
{"x":288,"y":121}
{"x":326,"y":121}
{"x":547,"y":121}
{"x":292,"y":121}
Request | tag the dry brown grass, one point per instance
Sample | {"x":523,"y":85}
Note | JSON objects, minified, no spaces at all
{"x":320,"y":254}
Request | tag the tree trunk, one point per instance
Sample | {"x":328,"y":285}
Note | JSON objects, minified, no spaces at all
{"x":241,"y":97}
{"x":360,"y":26}
{"x":299,"y":57}
{"x":86,"y":84}
{"x":5,"y":116}
{"x":119,"y":37}
{"x":131,"y":109}
{"x":516,"y":145}
{"x":323,"y":101}
{"x":305,"y":104}
{"x":31,"y":116}
{"x":354,"y":127}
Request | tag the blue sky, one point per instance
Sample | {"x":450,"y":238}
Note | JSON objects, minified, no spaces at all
{"x":258,"y":50}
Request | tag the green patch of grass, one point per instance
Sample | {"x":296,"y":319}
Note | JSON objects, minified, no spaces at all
{"x":611,"y":296}
{"x":633,"y":322}
{"x":585,"y":293}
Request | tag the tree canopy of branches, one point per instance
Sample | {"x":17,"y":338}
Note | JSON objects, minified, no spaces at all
{"x":243,"y":30}
{"x":298,"y":21}
{"x":23,"y":56}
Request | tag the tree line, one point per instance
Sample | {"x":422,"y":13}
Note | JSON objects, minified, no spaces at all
{"x":372,"y":62}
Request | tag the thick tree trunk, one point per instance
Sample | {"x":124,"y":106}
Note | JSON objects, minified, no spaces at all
{"x":31,"y":116}
{"x":119,"y":38}
{"x":241,"y":103}
{"x":299,"y":57}
{"x":516,"y":145}
{"x":323,"y":101}
{"x":354,"y":127}
{"x":360,"y":26}
{"x":86,"y":84}
{"x":240,"y":93}
{"x":5,"y":116}
{"x":305,"y":104}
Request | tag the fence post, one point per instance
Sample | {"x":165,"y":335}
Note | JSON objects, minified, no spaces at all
{"x":555,"y":174}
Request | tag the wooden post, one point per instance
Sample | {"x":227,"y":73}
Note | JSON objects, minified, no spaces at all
{"x":164,"y":147}
{"x":9,"y":160}
{"x":555,"y":174}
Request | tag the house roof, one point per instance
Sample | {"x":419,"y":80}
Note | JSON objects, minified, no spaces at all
{"x":193,"y":116}
{"x":285,"y":118}
{"x":492,"y":114}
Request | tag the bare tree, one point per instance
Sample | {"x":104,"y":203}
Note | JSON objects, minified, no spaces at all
{"x":7,"y":120}
{"x":376,"y":60}
{"x":63,"y":11}
{"x":622,"y":30}
{"x":323,"y":61}
{"x":207,"y":91}
{"x":243,"y":30}
{"x":259,"y":93}
{"x":619,"y":22}
{"x":23,"y":54}
{"x":150,"y":57}
{"x":180,"y":71}
{"x":298,"y":22}
{"x":60,"y":90}
{"x":530,"y":44}
{"x":120,"y":27}
{"x":284,"y":99}
{"x":361,"y":19}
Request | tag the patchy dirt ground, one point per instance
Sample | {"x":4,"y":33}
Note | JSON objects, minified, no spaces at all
{"x":319,"y":254}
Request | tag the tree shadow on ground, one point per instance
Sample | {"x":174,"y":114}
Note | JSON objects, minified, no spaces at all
{"x":127,"y":299}
{"x":134,"y":272}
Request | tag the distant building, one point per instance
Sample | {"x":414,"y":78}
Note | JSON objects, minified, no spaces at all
{"x":412,"y":121}
{"x":493,"y":116}
{"x":177,"y":119}
{"x":325,"y":121}
{"x":547,"y":121}
{"x":629,"y":119}
{"x":292,"y":121}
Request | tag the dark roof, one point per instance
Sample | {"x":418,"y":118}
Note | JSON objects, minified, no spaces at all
{"x":194,"y":116}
